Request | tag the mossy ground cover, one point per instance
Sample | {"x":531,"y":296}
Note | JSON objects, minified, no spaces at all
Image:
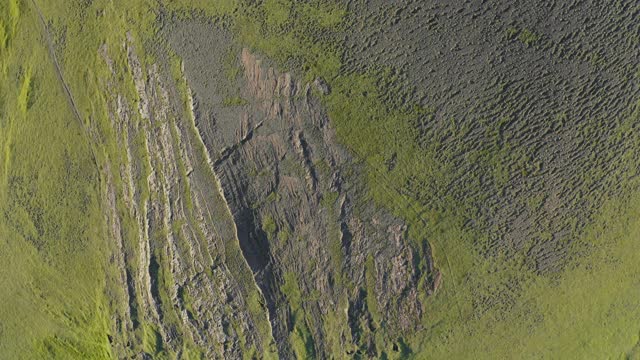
{"x":51,"y":234}
{"x":587,"y":311}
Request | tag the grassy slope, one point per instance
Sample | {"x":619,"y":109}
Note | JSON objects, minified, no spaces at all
{"x":587,"y":310}
{"x":50,"y":230}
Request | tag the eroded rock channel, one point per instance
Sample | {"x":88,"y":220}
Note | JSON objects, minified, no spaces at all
{"x":254,"y":232}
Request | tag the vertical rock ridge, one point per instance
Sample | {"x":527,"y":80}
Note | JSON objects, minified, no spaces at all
{"x":282,"y":177}
{"x":246,"y":229}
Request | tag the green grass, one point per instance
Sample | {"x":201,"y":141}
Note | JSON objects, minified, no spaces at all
{"x":234,"y":101}
{"x":50,"y":232}
{"x":301,"y":42}
{"x":26,"y":90}
{"x":528,"y":37}
{"x":525,"y":36}
{"x":269,"y":226}
{"x":329,"y":199}
{"x":588,"y":311}
{"x":278,"y":12}
{"x":300,"y":337}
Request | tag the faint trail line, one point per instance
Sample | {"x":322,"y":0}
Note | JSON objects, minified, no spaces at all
{"x":52,"y":53}
{"x":58,"y":70}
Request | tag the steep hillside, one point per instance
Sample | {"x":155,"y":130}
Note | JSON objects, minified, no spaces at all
{"x":319,"y":179}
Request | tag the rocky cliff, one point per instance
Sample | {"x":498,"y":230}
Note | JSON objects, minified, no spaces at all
{"x":253,"y":232}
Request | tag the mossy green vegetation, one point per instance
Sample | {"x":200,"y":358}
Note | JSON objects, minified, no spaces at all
{"x":301,"y":40}
{"x":151,"y":341}
{"x":528,"y":37}
{"x":525,"y":36}
{"x":53,"y":296}
{"x":269,"y":226}
{"x":234,"y":101}
{"x":300,"y":337}
{"x":587,"y":311}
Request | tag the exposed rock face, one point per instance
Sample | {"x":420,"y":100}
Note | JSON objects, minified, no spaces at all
{"x":287,"y":182}
{"x":242,"y":228}
{"x":183,"y":276}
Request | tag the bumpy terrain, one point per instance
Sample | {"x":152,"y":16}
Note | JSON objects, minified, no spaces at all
{"x":319,"y":179}
{"x":529,"y":85}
